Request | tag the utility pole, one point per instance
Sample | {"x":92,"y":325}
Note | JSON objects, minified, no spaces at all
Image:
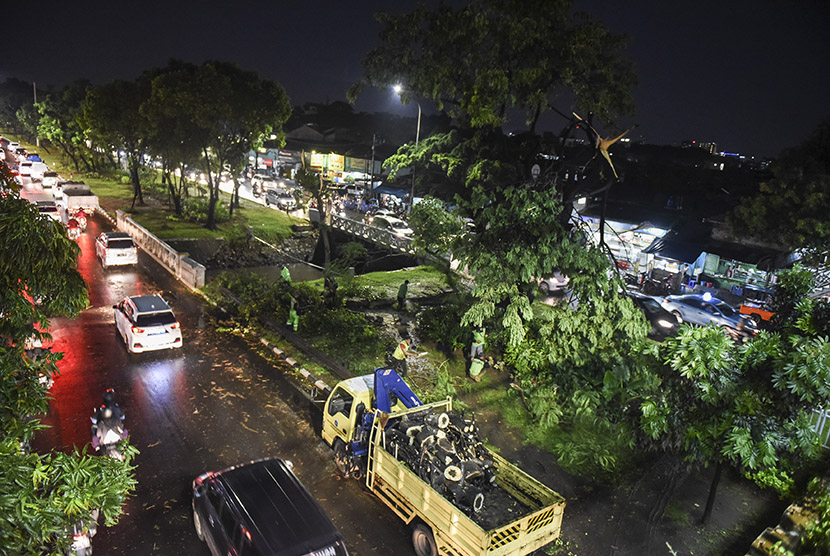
{"x":34,"y":88}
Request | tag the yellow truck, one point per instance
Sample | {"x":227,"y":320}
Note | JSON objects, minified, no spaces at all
{"x":427,"y":464}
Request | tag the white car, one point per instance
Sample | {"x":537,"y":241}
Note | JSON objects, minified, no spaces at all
{"x":116,"y":248}
{"x":146,"y":322}
{"x":12,"y":147}
{"x":394,"y":225}
{"x":48,"y":208}
{"x":38,"y":169}
{"x":50,"y":179}
{"x":25,"y":169}
{"x":555,"y":283}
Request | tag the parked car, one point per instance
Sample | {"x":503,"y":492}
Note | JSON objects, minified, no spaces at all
{"x":262,"y":508}
{"x":392,"y":224}
{"x":555,"y":283}
{"x":116,"y":248}
{"x":703,"y":309}
{"x":48,"y":208}
{"x":663,"y":323}
{"x":280,"y":197}
{"x":146,"y":322}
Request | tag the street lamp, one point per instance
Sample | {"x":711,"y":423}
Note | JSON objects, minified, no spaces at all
{"x":399,"y":89}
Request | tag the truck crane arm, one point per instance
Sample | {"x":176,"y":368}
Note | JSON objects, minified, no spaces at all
{"x":387,"y":384}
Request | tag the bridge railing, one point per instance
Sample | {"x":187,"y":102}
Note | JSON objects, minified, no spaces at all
{"x":373,"y":234}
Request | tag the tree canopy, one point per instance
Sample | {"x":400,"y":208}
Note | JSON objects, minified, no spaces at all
{"x":713,"y":402}
{"x":42,"y":495}
{"x":792,"y":208}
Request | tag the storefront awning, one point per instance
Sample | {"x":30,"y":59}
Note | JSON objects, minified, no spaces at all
{"x":684,"y":251}
{"x":384,"y":190}
{"x":673,"y":249}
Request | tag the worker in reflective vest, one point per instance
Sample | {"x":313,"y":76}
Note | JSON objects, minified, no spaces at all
{"x":477,"y":348}
{"x":402,"y":351}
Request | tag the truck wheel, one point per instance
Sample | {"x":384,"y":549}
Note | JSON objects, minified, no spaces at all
{"x":340,"y":458}
{"x":422,"y":541}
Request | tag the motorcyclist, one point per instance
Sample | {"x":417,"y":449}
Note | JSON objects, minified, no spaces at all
{"x":107,"y":419}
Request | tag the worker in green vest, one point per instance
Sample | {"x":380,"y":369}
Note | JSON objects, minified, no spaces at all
{"x":402,"y":294}
{"x":293,"y":317}
{"x":477,"y":347}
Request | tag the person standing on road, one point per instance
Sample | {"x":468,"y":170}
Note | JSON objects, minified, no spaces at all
{"x":402,"y":291}
{"x":402,"y":351}
{"x":293,"y":317}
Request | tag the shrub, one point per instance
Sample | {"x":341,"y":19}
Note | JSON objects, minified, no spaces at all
{"x":442,"y":324}
{"x":196,"y":210}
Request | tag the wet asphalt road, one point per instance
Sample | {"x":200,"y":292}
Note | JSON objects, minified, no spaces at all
{"x":209,"y":405}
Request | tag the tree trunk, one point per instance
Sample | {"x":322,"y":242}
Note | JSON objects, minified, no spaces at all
{"x":213,"y":194}
{"x":713,"y":490}
{"x":71,"y":156}
{"x":324,"y":225}
{"x":132,"y":161}
{"x":234,"y":197}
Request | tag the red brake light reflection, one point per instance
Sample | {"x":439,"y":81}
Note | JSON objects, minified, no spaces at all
{"x":137,"y":330}
{"x":175,"y":325}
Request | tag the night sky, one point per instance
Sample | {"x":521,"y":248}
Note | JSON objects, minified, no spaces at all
{"x":749,"y":75}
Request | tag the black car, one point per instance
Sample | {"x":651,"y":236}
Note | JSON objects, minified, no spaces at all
{"x":261,"y":508}
{"x":663,"y":323}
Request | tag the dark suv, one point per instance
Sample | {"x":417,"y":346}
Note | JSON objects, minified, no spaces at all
{"x":261,"y":508}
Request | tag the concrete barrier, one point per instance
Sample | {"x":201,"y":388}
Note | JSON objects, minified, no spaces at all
{"x":185,"y":269}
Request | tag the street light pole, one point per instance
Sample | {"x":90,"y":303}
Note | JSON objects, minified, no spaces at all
{"x":417,"y":137}
{"x":399,"y":89}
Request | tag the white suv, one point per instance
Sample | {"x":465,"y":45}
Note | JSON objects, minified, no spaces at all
{"x":146,"y":322}
{"x":116,"y":248}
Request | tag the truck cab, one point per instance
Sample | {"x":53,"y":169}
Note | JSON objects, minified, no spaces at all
{"x":351,"y":399}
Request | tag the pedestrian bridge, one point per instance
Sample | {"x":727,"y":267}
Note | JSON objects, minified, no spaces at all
{"x":373,"y":234}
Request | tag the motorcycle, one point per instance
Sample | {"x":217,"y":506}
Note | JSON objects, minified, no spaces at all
{"x":108,"y":432}
{"x":73,"y":229}
{"x":81,"y":218}
{"x":34,"y":350}
{"x":82,"y":533}
{"x":650,"y":286}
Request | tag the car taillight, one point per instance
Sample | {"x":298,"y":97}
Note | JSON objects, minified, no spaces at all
{"x":175,"y":325}
{"x":137,"y":330}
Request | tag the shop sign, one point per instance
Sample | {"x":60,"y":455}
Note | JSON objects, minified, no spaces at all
{"x":336,"y":162}
{"x":318,"y":160}
{"x":268,"y":162}
{"x":357,"y":165}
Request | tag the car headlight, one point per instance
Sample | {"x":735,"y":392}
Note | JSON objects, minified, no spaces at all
{"x":666,"y":324}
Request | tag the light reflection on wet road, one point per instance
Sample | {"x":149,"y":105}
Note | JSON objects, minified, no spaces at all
{"x":206,"y":406}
